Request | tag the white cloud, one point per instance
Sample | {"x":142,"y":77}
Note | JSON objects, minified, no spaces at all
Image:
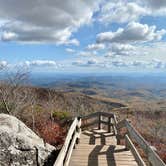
{"x":139,"y":64}
{"x":109,"y":54}
{"x":45,"y":21}
{"x":41,"y":63}
{"x":156,"y":4}
{"x":122,"y":49}
{"x":156,"y":7}
{"x":121,"y":12}
{"x":158,"y":64}
{"x":3,"y":64}
{"x":133,"y":32}
{"x":69,"y":50}
{"x":120,"y":63}
{"x":87,"y":63}
{"x":8,"y":36}
{"x":95,"y":46}
{"x":87,"y":53}
{"x":96,"y":63}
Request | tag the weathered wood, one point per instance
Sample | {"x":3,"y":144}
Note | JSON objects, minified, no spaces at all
{"x":134,"y":151}
{"x":94,"y":122}
{"x":78,"y":129}
{"x":115,"y":124}
{"x":93,"y":115}
{"x":106,"y":123}
{"x":96,"y":138}
{"x":63,"y":152}
{"x":101,"y":154}
{"x":99,"y":121}
{"x":76,"y":135}
{"x":106,"y":114}
{"x":116,"y":128}
{"x":109,"y":124}
{"x":153,"y":158}
{"x":115,"y":120}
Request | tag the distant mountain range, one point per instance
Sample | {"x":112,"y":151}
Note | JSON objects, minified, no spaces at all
{"x":146,"y":87}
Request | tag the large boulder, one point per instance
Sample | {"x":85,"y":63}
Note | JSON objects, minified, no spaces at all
{"x":20,"y":146}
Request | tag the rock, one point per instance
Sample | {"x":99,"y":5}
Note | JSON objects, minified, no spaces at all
{"x":20,"y":146}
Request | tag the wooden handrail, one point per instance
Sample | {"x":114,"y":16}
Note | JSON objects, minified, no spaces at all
{"x":132,"y":134}
{"x":72,"y":136}
{"x":130,"y":145}
{"x":153,"y":158}
{"x":93,"y":115}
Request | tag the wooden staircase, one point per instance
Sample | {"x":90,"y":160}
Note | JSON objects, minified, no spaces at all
{"x":98,"y":147}
{"x":96,"y":140}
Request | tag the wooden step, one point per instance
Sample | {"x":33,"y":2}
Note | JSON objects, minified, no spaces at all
{"x":103,"y":152}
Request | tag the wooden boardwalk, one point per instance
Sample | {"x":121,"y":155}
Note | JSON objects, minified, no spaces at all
{"x":99,"y":148}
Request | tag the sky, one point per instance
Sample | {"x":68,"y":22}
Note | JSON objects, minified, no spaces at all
{"x":83,"y":36}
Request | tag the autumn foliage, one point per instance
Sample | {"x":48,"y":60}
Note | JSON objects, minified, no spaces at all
{"x":51,"y":132}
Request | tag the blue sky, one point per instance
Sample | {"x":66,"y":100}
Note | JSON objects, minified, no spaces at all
{"x":83,"y":36}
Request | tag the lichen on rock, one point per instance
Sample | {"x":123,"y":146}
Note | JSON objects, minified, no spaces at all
{"x":19,"y":145}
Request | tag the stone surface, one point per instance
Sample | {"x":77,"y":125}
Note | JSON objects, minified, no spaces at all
{"x":19,"y":145}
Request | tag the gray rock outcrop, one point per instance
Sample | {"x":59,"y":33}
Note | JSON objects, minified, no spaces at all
{"x":19,"y":145}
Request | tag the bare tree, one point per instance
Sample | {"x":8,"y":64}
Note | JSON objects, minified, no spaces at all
{"x":51,"y":103}
{"x":32,"y":102}
{"x":13,"y":94}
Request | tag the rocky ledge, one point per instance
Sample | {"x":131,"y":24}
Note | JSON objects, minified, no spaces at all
{"x":20,"y":146}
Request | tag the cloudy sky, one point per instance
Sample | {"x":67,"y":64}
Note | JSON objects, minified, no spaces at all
{"x":83,"y":35}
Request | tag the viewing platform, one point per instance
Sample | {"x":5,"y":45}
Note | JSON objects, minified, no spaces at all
{"x":97,"y":140}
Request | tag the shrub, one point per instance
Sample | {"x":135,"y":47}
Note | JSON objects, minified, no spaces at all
{"x":51,"y":132}
{"x":3,"y":107}
{"x":38,"y":109}
{"x":60,"y":115}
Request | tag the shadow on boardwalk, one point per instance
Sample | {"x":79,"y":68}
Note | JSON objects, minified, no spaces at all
{"x":96,"y":153}
{"x":93,"y":136}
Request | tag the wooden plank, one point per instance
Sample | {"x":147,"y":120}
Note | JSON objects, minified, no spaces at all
{"x":94,"y":122}
{"x":115,"y":125}
{"x":153,"y":158}
{"x":70,"y":149}
{"x":109,"y":124}
{"x":99,"y":121}
{"x":134,"y":151}
{"x":76,"y":136}
{"x":61,"y":156}
{"x":115,"y":120}
{"x":106,"y":114}
{"x":85,"y":154}
{"x":93,"y":115}
{"x":116,"y":129}
{"x":106,"y":123}
{"x":82,"y":152}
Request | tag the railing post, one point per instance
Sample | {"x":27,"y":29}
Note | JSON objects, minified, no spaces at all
{"x":109,"y":124}
{"x":113,"y":126}
{"x":126,"y":144}
{"x":118,"y":139}
{"x":78,"y":129}
{"x":75,"y":132}
{"x":99,"y":123}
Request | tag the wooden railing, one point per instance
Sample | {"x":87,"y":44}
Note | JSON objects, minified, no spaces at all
{"x":132,"y":134}
{"x":72,"y":138}
{"x":100,"y":119}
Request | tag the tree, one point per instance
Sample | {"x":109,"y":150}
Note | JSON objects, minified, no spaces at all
{"x":14,"y":95}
